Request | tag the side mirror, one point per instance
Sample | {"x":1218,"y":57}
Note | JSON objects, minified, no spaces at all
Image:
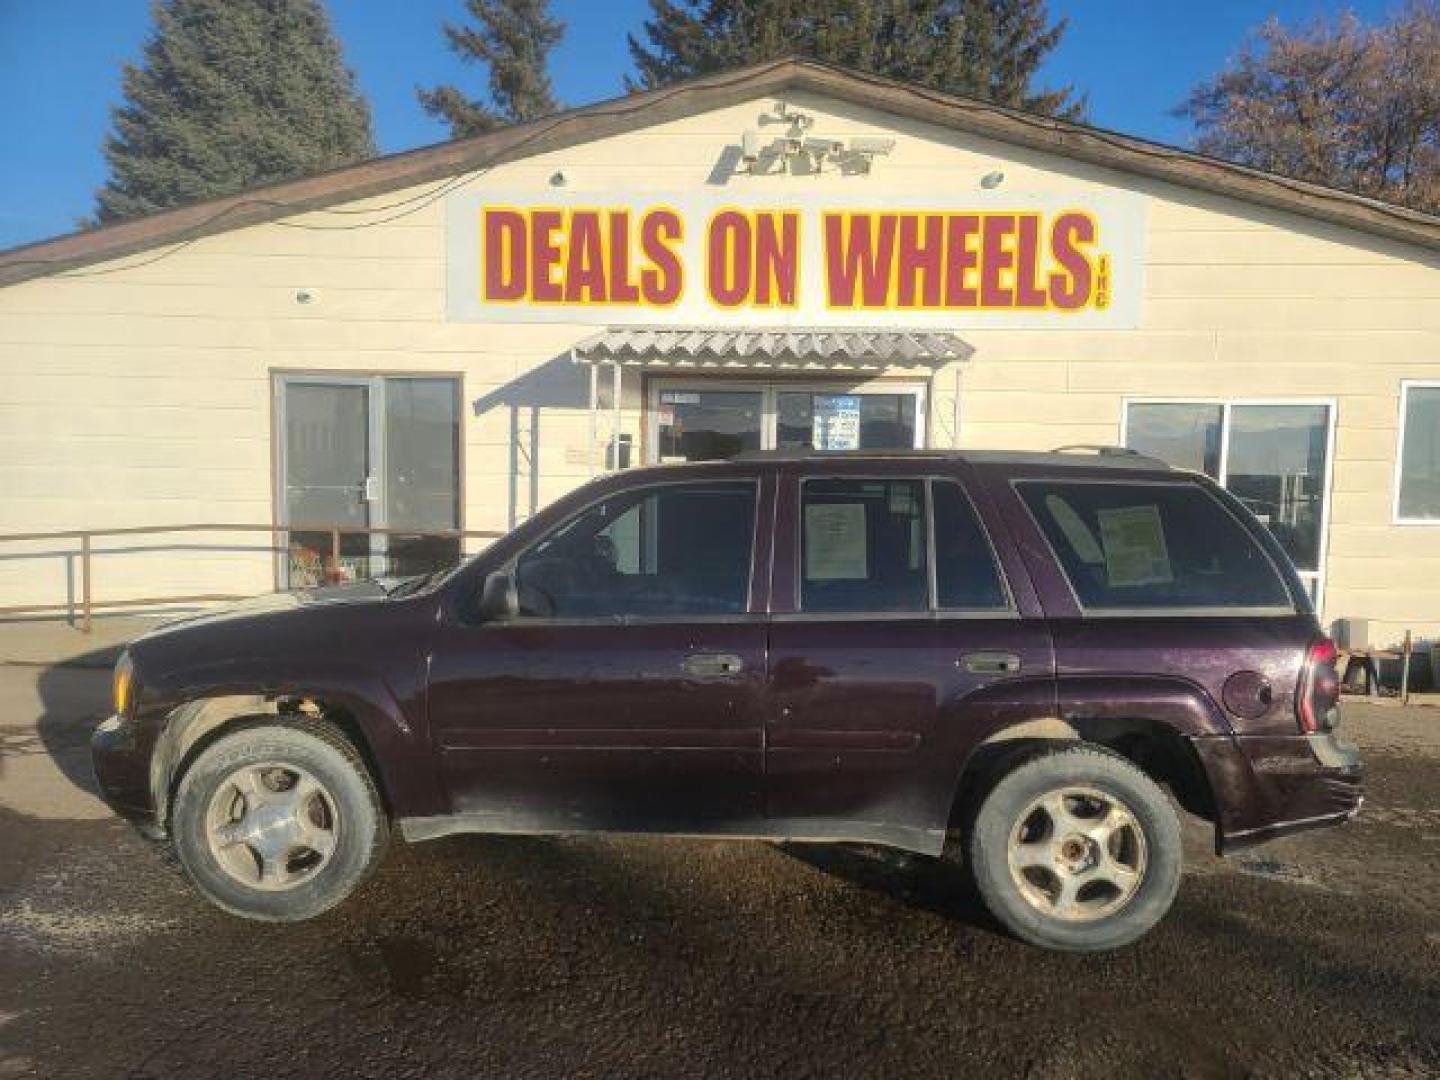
{"x":498,"y":597}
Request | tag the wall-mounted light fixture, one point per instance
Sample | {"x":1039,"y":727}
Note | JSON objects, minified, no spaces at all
{"x":992,"y":180}
{"x":558,"y":179}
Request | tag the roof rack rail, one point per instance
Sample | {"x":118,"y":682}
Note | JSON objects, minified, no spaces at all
{"x":1102,"y":449}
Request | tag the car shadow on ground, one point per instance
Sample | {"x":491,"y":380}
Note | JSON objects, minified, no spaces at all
{"x":74,"y":699}
{"x":939,"y":886}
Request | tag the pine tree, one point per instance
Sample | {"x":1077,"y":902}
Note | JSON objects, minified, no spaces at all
{"x":989,"y":49}
{"x":514,"y":39}
{"x":231,"y":95}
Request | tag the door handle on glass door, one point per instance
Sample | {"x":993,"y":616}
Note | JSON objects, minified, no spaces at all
{"x":372,"y":489}
{"x":713,"y":664}
{"x":990,"y":663}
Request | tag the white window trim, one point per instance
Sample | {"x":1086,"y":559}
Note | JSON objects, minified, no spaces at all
{"x":1405,"y":387}
{"x":1331,"y":405}
{"x":768,"y":389}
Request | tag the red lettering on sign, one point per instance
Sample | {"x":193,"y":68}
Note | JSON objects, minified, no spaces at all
{"x":961,"y":233}
{"x":663,"y":280}
{"x":1070,"y":288}
{"x":585,"y":264}
{"x":545,"y":256}
{"x":858,"y":259}
{"x":728,"y":269}
{"x":505,"y":258}
{"x":1028,"y":293}
{"x":777,"y":258}
{"x":998,"y":263}
{"x":623,"y":290}
{"x":920,"y":250}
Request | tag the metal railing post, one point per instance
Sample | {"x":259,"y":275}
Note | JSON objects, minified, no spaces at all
{"x":85,"y":583}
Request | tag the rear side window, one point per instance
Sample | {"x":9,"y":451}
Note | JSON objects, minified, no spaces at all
{"x":1152,"y":546}
{"x":966,"y":576}
{"x":863,"y":546}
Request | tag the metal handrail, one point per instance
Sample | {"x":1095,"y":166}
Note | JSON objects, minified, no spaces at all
{"x":87,"y":553}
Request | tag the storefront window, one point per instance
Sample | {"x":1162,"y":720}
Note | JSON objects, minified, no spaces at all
{"x":709,"y":425}
{"x":1418,"y":490}
{"x":691,"y":423}
{"x":1276,"y":467}
{"x":1184,"y":434}
{"x":1270,"y":456}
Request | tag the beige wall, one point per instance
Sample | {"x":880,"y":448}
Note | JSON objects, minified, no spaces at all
{"x":142,"y":393}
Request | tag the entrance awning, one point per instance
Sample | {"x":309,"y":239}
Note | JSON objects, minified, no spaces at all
{"x":772,"y":349}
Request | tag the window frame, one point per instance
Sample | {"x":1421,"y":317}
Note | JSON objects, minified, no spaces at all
{"x":1188,"y":610}
{"x":931,"y":611}
{"x":1320,"y":575}
{"x":1406,"y":385}
{"x":763,"y":518}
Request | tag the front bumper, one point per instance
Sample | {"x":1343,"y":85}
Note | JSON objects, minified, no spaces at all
{"x":121,"y":758}
{"x":1265,"y":786}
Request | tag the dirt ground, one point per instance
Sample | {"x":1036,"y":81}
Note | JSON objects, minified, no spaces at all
{"x":1315,"y":956}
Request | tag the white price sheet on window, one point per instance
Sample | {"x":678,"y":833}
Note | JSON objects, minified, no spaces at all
{"x":1135,"y":551}
{"x":835,"y":542}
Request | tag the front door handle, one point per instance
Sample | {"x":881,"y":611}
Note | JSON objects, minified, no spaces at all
{"x":713,"y":664}
{"x":990,"y":663}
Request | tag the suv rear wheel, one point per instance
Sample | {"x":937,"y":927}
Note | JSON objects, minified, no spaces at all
{"x":1076,"y":850}
{"x":278,"y":822}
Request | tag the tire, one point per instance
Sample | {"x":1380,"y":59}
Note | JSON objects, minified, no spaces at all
{"x":278,"y":822}
{"x":1076,"y":850}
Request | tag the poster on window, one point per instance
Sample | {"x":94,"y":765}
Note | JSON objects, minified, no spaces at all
{"x":837,"y":422}
{"x":1135,"y":551}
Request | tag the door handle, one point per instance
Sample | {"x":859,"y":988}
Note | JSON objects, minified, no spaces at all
{"x":371,"y":489}
{"x":713,"y":664}
{"x":990,"y":663}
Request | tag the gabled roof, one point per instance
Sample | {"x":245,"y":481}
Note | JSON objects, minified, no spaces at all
{"x":778,"y":77}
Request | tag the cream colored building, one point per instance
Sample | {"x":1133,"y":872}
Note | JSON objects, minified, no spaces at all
{"x":331,"y":349}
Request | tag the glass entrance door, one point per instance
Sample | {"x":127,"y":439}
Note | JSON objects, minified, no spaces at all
{"x":692,"y":421}
{"x":367,"y":452}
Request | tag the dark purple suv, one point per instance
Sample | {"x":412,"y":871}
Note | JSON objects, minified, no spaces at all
{"x":1004,"y":658}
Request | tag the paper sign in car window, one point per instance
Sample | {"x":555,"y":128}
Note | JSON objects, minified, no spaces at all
{"x":1135,"y":552}
{"x":835,"y":542}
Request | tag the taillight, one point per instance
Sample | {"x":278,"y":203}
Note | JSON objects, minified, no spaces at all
{"x":1317,"y":702}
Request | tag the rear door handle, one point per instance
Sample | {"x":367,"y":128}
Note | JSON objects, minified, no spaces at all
{"x":990,"y":663}
{"x":713,"y":664}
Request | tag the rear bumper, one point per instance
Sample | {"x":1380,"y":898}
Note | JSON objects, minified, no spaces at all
{"x":1266,"y":786}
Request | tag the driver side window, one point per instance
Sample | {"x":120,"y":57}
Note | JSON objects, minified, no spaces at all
{"x":676,"y":549}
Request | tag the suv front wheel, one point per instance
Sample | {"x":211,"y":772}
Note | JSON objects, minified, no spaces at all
{"x":1076,"y":850}
{"x":278,"y":822}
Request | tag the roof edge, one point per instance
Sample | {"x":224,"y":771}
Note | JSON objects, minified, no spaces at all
{"x":616,"y":116}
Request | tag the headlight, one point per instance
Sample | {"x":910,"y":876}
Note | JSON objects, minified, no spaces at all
{"x":124,"y":685}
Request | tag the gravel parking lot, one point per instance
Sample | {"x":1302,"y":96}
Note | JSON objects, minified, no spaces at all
{"x":1314,"y":956}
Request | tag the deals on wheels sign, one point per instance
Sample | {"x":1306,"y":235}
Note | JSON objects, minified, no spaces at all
{"x":983,"y":259}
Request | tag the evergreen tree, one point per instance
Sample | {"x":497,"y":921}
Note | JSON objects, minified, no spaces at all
{"x":231,"y":95}
{"x":988,"y":49}
{"x":514,"y":39}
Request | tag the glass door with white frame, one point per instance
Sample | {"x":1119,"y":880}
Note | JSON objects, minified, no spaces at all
{"x":694,"y":421}
{"x":1272,"y":456}
{"x":367,"y":452}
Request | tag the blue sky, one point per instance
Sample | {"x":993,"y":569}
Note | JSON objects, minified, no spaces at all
{"x":60,"y":66}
